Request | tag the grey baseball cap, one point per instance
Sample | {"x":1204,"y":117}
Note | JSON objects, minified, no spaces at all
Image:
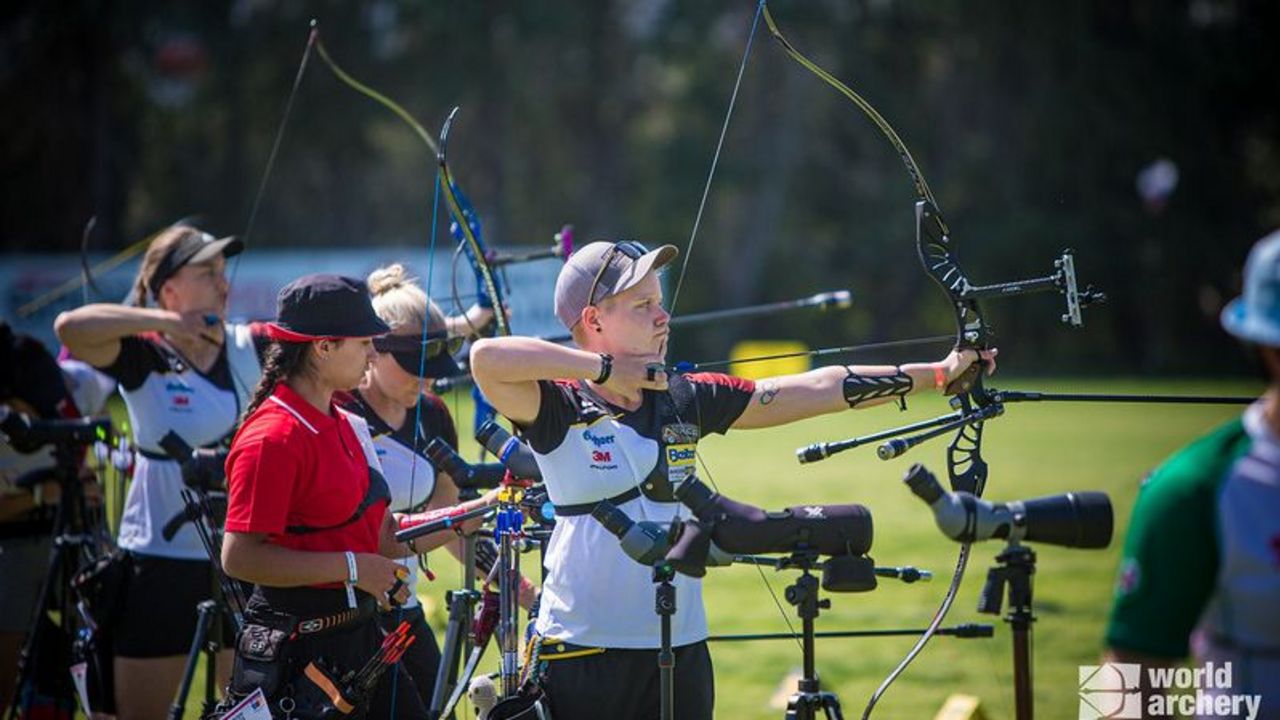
{"x":604,"y":269}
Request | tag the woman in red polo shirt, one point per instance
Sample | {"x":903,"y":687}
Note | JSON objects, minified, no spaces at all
{"x":307,"y":518}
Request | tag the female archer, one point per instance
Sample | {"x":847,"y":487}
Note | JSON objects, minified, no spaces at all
{"x":307,"y":519}
{"x":403,"y":418}
{"x":606,"y":424}
{"x":181,"y":368}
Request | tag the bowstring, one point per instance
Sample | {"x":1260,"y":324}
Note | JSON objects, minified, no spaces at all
{"x":400,"y":112}
{"x":675,"y":297}
{"x":312,"y":38}
{"x":715,"y":158}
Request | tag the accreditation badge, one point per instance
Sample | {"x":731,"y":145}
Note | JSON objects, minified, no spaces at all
{"x":680,"y":444}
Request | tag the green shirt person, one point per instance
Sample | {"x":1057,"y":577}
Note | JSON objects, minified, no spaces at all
{"x":1200,"y":573}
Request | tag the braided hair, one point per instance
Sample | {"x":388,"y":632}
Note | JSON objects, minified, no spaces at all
{"x":282,"y":361}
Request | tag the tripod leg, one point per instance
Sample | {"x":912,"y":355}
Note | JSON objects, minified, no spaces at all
{"x":29,"y":654}
{"x":460,"y":606}
{"x":207,"y":609}
{"x":797,"y":709}
{"x":831,"y":704}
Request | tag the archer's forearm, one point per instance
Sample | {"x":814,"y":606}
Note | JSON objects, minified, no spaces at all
{"x":787,"y":398}
{"x":250,"y":558}
{"x":93,"y":332}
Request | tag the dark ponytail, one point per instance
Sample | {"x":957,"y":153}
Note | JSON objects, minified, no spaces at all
{"x":283,"y":360}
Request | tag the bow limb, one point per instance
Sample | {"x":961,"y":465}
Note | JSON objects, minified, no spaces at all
{"x":86,"y":273}
{"x":466,"y":220}
{"x":377,"y":97}
{"x":466,"y":224}
{"x":965,"y":464}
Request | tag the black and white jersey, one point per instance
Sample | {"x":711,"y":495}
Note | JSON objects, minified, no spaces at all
{"x":163,"y":392}
{"x":589,"y":450}
{"x":410,"y":475}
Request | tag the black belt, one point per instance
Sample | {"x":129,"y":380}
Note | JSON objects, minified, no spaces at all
{"x":310,"y":624}
{"x":586,"y":508}
{"x":153,"y":455}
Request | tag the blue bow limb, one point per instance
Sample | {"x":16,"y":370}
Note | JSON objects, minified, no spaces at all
{"x":472,"y":218}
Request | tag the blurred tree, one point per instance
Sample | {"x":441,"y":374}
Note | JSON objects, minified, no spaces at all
{"x":1031,"y":122}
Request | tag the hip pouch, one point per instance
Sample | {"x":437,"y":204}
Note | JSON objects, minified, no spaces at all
{"x":262,"y":655}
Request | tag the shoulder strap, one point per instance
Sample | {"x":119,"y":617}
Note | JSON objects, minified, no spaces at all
{"x":360,"y":427}
{"x":242,"y":359}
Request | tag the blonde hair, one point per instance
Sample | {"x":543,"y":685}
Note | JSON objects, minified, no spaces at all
{"x":160,"y":245}
{"x":401,"y":302}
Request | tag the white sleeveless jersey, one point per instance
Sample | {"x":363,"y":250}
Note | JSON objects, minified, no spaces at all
{"x":162,"y":393}
{"x":587,"y":450}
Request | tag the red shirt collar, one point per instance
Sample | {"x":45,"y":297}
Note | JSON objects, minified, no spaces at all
{"x":304,"y":410}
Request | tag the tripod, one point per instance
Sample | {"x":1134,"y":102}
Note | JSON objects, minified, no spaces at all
{"x":809,"y":698}
{"x":227,"y":602}
{"x":511,"y":536}
{"x":457,"y":636}
{"x":73,"y":544}
{"x":803,"y":593}
{"x":1015,"y":565}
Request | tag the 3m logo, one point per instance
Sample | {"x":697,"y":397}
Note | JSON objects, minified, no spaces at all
{"x":601,"y":456}
{"x":1113,"y":690}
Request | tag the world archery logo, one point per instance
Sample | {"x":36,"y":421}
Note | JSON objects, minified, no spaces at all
{"x":1112,"y":690}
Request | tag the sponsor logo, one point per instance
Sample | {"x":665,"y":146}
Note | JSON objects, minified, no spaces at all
{"x":1114,"y":690}
{"x":601,"y":456}
{"x":679,"y":433}
{"x":598,"y":440}
{"x":1130,"y":576}
{"x":179,"y":395}
{"x":680,"y":455}
{"x":814,"y":511}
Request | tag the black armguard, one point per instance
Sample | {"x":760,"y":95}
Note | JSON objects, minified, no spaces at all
{"x":861,"y":388}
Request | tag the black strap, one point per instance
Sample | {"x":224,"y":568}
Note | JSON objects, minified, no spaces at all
{"x":587,"y":507}
{"x":153,"y":455}
{"x":376,"y":491}
{"x":222,"y":442}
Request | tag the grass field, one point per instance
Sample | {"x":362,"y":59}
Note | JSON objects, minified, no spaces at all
{"x":1035,"y":449}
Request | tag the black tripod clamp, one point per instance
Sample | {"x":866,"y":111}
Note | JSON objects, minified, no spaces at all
{"x":1012,"y":574}
{"x":1015,"y":566}
{"x":664,"y":603}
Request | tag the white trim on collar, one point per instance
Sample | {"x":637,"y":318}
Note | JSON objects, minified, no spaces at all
{"x":294,"y":413}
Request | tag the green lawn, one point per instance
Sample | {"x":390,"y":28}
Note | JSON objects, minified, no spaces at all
{"x":1035,"y":449}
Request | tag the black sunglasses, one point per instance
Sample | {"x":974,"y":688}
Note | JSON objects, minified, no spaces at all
{"x":432,"y":343}
{"x":629,"y":248}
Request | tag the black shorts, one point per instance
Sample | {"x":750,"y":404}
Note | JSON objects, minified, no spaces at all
{"x":422,"y":660}
{"x":624,"y":685}
{"x":158,"y":614}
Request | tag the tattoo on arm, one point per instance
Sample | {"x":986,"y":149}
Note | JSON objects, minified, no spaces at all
{"x":768,"y":391}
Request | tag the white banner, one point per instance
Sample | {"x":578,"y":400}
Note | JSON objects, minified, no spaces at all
{"x":258,"y":275}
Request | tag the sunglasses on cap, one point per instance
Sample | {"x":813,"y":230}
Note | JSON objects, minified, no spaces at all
{"x":431,"y":344}
{"x":627,"y":248}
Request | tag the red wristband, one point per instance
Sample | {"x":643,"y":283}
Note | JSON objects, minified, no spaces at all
{"x":939,"y":377}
